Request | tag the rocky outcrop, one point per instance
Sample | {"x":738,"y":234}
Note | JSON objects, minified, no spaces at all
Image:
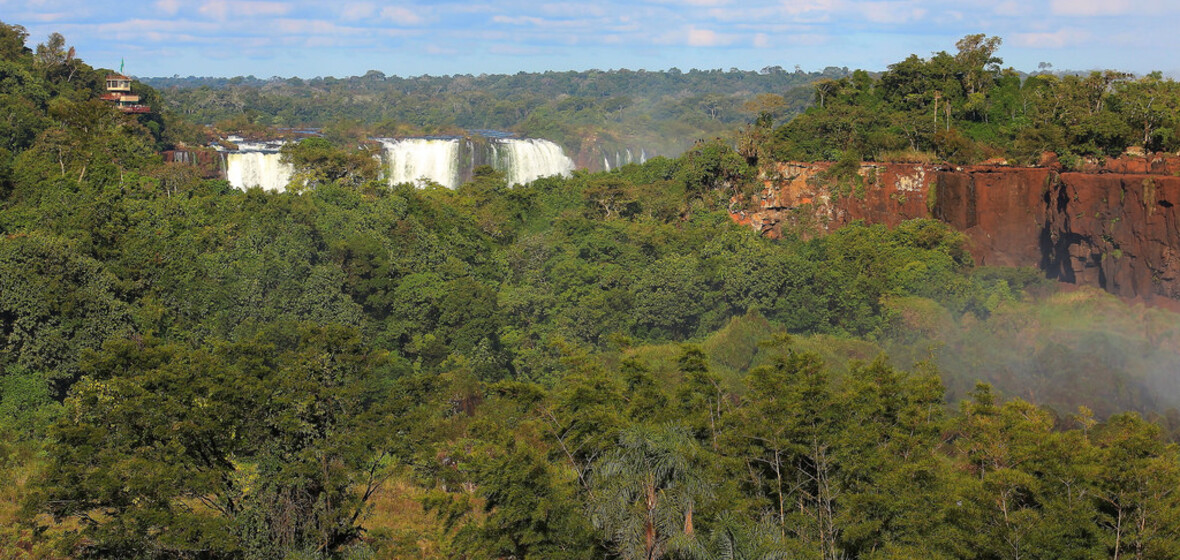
{"x":1114,"y":225}
{"x":1002,"y":210}
{"x":805,"y":199}
{"x":1117,"y":231}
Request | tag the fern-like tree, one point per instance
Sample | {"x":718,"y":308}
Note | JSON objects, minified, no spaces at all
{"x":732,"y":538}
{"x":644,"y":492}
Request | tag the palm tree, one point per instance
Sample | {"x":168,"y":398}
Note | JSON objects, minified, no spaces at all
{"x":644,"y":491}
{"x":735,"y":539}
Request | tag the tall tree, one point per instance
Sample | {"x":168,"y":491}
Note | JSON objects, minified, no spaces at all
{"x":644,"y":492}
{"x":263,"y":447}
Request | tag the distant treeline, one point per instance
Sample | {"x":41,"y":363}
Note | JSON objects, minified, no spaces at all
{"x":662,"y":112}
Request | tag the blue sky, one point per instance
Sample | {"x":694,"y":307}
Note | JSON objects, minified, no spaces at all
{"x":349,"y":37}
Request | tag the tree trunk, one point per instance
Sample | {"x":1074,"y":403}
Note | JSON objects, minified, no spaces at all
{"x":649,"y":525}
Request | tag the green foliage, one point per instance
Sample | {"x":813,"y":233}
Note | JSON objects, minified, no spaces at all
{"x":966,"y":108}
{"x":12,"y":42}
{"x":843,"y":178}
{"x":54,"y":304}
{"x":575,"y":368}
{"x":316,"y":161}
{"x":595,"y":113}
{"x":646,"y":489}
{"x":713,"y":171}
{"x":532,"y":512}
{"x":26,"y":405}
{"x":274,"y":438}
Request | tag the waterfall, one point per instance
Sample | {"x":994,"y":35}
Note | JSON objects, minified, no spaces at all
{"x":450,"y":161}
{"x":446,"y":161}
{"x":523,"y":161}
{"x":245,"y":169}
{"x":260,"y":146}
{"x":621,"y":156}
{"x":415,"y":160}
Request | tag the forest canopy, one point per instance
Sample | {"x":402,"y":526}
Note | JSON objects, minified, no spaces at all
{"x":596,"y":366}
{"x":656,"y":112}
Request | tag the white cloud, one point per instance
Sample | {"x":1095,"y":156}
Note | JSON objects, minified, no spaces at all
{"x":703,"y":38}
{"x":806,"y":9}
{"x":169,"y":7}
{"x":650,"y":33}
{"x":808,"y":39}
{"x":401,"y":15}
{"x":358,"y":11}
{"x":1090,"y":7}
{"x":321,"y":42}
{"x":217,"y":9}
{"x":694,"y":37}
{"x":49,"y":16}
{"x":519,"y":20}
{"x":589,"y":26}
{"x":515,"y":50}
{"x":315,"y":27}
{"x":1010,"y":8}
{"x":482,"y":8}
{"x":441,"y":50}
{"x":159,"y":25}
{"x":1051,"y":40}
{"x":748,"y":14}
{"x":694,"y":2}
{"x":891,"y":12}
{"x":222,"y":10}
{"x":571,"y":9}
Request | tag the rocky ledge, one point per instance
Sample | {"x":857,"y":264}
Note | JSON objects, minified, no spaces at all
{"x":1113,"y":224}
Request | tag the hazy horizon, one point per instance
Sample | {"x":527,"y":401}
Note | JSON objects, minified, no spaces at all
{"x":267,"y":38}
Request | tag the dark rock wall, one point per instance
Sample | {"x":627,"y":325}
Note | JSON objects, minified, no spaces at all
{"x":1113,"y":225}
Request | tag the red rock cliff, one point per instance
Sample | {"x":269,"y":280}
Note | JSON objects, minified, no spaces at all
{"x":1117,"y":231}
{"x":1115,"y":226}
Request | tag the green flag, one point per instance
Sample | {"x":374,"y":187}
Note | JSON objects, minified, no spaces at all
{"x":120,"y":65}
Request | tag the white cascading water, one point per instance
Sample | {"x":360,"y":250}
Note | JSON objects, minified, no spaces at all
{"x":624,"y":157}
{"x":246,"y":169}
{"x":523,"y":161}
{"x":415,"y":160}
{"x":411,"y":160}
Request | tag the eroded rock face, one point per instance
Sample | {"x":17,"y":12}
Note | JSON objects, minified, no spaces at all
{"x":1002,"y":210}
{"x":1117,"y":231}
{"x":800,"y":198}
{"x":1113,"y":225}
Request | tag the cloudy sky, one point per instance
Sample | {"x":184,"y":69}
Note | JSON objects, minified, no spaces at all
{"x":310,"y":38}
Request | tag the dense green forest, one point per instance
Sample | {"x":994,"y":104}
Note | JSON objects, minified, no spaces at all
{"x":599,"y":366}
{"x":661,"y":113}
{"x":961,"y":107}
{"x":965,"y":107}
